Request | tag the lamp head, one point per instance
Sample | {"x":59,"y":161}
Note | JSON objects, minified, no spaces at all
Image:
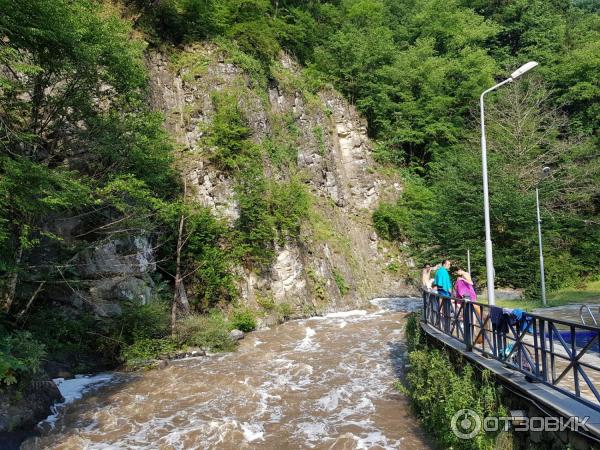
{"x":524,"y":68}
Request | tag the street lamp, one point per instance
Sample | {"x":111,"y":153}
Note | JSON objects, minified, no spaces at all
{"x":489,"y":260}
{"x":545,"y":173}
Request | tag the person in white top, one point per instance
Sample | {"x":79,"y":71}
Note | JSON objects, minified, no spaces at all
{"x":426,"y":278}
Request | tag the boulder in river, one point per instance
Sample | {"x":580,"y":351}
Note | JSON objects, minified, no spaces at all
{"x":24,"y":410}
{"x":236,"y":335}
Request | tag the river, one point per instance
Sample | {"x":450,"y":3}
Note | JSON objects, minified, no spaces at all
{"x":323,"y":382}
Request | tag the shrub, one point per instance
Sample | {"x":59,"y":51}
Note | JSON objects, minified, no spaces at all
{"x":208,"y":332}
{"x":20,"y":357}
{"x":63,"y":334}
{"x":340,"y":281}
{"x":267,"y":302}
{"x":150,"y":321}
{"x":230,"y":132}
{"x":438,"y":390}
{"x":413,"y":334}
{"x":243,"y":319}
{"x":290,"y":204}
{"x":285,"y":311}
{"x":145,"y":349}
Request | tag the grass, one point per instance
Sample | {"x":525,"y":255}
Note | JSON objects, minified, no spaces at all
{"x":587,"y":293}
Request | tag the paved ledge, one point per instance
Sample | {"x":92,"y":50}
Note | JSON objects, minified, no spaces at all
{"x":540,"y":393}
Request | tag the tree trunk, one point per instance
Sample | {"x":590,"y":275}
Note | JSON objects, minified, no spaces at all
{"x":31,"y":299}
{"x":11,"y":286}
{"x":180,"y":300}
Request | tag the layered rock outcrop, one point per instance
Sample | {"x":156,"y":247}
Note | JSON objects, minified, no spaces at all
{"x":338,"y":261}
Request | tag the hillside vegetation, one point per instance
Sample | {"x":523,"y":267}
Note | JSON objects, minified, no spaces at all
{"x":81,"y":145}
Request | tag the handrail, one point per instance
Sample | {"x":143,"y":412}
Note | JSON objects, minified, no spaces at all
{"x":559,"y":353}
{"x":589,"y":311}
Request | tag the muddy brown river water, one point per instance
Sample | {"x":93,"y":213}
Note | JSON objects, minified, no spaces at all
{"x":324,"y":382}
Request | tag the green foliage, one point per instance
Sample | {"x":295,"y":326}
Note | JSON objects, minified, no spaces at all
{"x":416,"y":69}
{"x":130,"y":142}
{"x":233,"y":150}
{"x":207,"y":257}
{"x":20,"y":356}
{"x":138,"y":335}
{"x":80,"y":336}
{"x":269,"y":211}
{"x":230,"y":133}
{"x":415,"y":339}
{"x":209,"y":332}
{"x":413,"y":210}
{"x":289,"y":206}
{"x":442,"y":216}
{"x":64,"y":335}
{"x":285,"y":311}
{"x":438,"y":389}
{"x":189,"y":64}
{"x":91,"y":48}
{"x":266,"y":302}
{"x":28,"y":193}
{"x":341,"y":283}
{"x":77,"y":138}
{"x":255,"y":224}
{"x":149,"y":321}
{"x":243,"y":319}
{"x":318,"y":132}
{"x":318,"y":284}
{"x":144,"y":350}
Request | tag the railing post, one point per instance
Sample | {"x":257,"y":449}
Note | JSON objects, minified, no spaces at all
{"x":425,"y":295}
{"x":535,"y":347}
{"x":574,"y":362}
{"x":446,"y":309}
{"x":467,"y":324}
{"x":542,"y":334}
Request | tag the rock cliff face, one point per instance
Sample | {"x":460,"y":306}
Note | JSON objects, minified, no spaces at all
{"x":109,"y":273}
{"x":338,"y":261}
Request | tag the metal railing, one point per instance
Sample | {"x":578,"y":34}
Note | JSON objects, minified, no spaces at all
{"x":584,"y":308}
{"x":558,"y":353}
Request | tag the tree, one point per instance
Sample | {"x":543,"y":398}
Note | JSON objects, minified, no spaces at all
{"x":525,"y":133}
{"x":71,"y":121}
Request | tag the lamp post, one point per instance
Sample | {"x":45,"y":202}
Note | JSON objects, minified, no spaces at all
{"x":545,"y":173}
{"x":489,"y":260}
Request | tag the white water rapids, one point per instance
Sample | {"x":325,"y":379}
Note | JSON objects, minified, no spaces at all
{"x":323,"y":382}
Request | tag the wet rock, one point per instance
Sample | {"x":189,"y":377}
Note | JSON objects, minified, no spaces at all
{"x":57,"y":369}
{"x":236,"y":335}
{"x":24,"y":410}
{"x":191,"y":352}
{"x":194,"y":352}
{"x":162,"y":364}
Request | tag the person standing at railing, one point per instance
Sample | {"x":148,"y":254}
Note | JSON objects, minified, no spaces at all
{"x":463,"y":288}
{"x":442,"y":279}
{"x":426,"y":279}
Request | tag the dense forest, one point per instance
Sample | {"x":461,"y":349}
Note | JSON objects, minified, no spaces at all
{"x":79,"y":140}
